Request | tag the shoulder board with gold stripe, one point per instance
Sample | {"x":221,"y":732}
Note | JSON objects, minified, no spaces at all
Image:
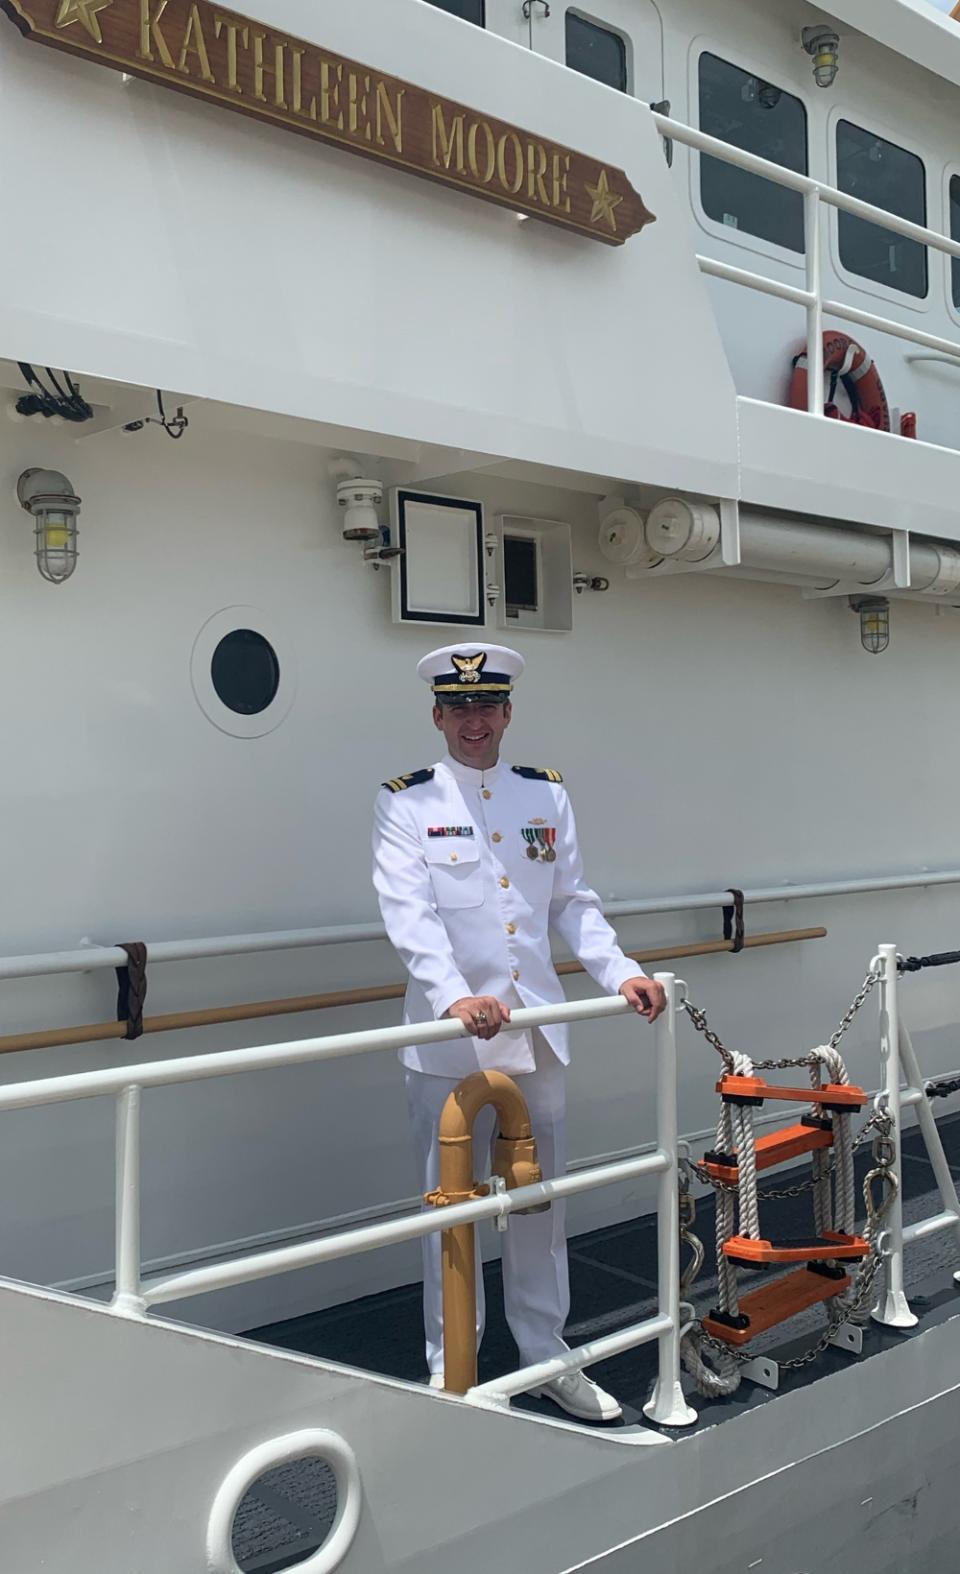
{"x":411,"y":779}
{"x":533,"y":773}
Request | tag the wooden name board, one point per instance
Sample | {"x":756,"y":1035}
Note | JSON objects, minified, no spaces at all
{"x":198,"y":48}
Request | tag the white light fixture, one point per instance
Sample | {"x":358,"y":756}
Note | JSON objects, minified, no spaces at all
{"x":823,"y":43}
{"x":360,"y":500}
{"x":50,"y":498}
{"x":874,"y":622}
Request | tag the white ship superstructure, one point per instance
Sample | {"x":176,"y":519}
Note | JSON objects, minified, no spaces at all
{"x":740,"y":623}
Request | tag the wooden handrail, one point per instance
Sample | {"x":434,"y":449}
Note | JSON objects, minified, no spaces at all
{"x":172,"y":1022}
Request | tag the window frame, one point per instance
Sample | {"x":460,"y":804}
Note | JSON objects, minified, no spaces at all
{"x":604,"y":24}
{"x":856,"y":281}
{"x":951,"y":172}
{"x":754,"y":65}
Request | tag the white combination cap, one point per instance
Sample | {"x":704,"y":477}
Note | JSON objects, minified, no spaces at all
{"x":470,"y":673}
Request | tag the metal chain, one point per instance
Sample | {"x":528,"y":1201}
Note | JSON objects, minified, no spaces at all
{"x":699,"y":1020}
{"x":776,"y":1194}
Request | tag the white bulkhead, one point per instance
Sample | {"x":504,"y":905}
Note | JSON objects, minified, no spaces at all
{"x":315,"y":311}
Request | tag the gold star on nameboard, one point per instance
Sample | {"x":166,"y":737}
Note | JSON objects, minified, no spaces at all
{"x":604,"y":201}
{"x":84,"y":11}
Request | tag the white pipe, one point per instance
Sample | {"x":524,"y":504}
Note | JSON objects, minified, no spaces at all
{"x":49,"y":962}
{"x":296,"y":1052}
{"x":756,"y":281}
{"x":667,"y":1406}
{"x":811,"y":227}
{"x":574,"y":1361}
{"x":835,"y":552}
{"x":892,"y":1308}
{"x":351,"y":1243}
{"x":931,"y":1226}
{"x":128,"y":1297}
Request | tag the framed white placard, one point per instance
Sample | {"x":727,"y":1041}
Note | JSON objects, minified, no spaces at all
{"x":440,"y":570}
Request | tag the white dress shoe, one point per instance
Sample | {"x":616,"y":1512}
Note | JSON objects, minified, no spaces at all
{"x":436,"y":1380}
{"x":580,"y":1397}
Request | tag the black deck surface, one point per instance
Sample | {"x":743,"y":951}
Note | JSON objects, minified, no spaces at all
{"x":613,"y":1275}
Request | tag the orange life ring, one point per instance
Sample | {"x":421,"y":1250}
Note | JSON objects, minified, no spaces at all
{"x":845,"y":361}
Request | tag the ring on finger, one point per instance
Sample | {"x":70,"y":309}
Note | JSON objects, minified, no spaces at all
{"x":481,"y":1016}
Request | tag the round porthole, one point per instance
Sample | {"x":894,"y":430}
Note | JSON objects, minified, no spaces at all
{"x":243,"y":672}
{"x":262,"y":1469}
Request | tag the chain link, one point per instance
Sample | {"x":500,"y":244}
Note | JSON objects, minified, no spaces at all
{"x":699,"y":1020}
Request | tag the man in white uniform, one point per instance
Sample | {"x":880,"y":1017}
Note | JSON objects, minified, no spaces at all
{"x":473,"y":861}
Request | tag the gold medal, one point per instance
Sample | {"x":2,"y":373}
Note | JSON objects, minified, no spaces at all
{"x":532,"y":853}
{"x":550,"y":855}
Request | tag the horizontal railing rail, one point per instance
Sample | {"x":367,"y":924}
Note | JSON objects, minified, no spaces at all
{"x":91,"y":958}
{"x":815,"y":193}
{"x":127,"y":1085}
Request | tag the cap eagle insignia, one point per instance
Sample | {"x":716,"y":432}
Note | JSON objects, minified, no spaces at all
{"x":470,"y":667}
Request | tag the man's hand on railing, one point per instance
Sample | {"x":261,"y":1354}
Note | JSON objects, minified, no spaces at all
{"x":482,"y":1015}
{"x":645,"y":995}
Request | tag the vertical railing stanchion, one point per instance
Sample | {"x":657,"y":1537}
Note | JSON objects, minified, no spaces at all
{"x":811,"y":233}
{"x":667,"y":1406}
{"x":128,"y":1295}
{"x":892,"y":1308}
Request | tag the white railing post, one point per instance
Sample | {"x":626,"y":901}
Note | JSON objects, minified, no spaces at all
{"x":892,"y":1308}
{"x":667,"y":1405}
{"x":128,"y":1295}
{"x":811,"y":235}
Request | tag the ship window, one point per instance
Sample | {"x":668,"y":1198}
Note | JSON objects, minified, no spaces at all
{"x":285,"y":1516}
{"x":878,"y":171}
{"x":521,"y":575}
{"x":245,"y":672}
{"x":469,"y":10}
{"x":761,"y":118}
{"x":955,"y":235}
{"x":596,"y":52}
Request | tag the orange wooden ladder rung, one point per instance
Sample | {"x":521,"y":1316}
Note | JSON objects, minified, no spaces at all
{"x":777,"y":1147}
{"x":829,"y":1247}
{"x":774,"y":1303}
{"x":753,"y":1090}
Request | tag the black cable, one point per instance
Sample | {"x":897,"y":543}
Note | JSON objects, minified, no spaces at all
{"x":913,"y":964}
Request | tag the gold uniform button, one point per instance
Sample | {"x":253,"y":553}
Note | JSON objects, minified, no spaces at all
{"x":516,"y":972}
{"x":453,"y":858}
{"x":496,"y":837}
{"x":511,"y":929}
{"x":504,"y":881}
{"x":487,"y":793}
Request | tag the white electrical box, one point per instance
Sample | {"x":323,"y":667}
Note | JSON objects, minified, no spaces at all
{"x":536,"y":574}
{"x":439,"y":575}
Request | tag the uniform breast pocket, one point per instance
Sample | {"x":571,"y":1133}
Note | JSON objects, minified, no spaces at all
{"x":455,"y":872}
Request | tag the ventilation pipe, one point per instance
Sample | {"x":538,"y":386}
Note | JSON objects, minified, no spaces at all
{"x":679,"y":529}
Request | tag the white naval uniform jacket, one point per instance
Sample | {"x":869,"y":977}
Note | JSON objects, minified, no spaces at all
{"x":469,"y":913}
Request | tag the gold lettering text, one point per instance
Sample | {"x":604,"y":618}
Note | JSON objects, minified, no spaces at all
{"x":261,"y":69}
{"x":536,"y":169}
{"x":310,"y":112}
{"x":482,"y":164}
{"x":150,"y":16}
{"x":392,"y":113}
{"x":223,"y":24}
{"x":357,"y":91}
{"x":561,"y":170}
{"x":510,"y":183}
{"x":331,"y":81}
{"x":194,"y":43}
{"x":447,"y":145}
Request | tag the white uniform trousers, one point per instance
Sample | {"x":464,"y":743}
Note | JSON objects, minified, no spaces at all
{"x":536,"y":1288}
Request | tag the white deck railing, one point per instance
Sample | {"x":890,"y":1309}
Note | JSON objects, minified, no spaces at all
{"x":126,"y":1084}
{"x":815,"y":193}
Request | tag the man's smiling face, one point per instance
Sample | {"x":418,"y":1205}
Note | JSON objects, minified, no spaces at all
{"x":473,"y":731}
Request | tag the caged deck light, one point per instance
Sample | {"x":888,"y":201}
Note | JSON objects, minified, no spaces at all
{"x":823,"y":43}
{"x":874,"y":622}
{"x":50,"y":498}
